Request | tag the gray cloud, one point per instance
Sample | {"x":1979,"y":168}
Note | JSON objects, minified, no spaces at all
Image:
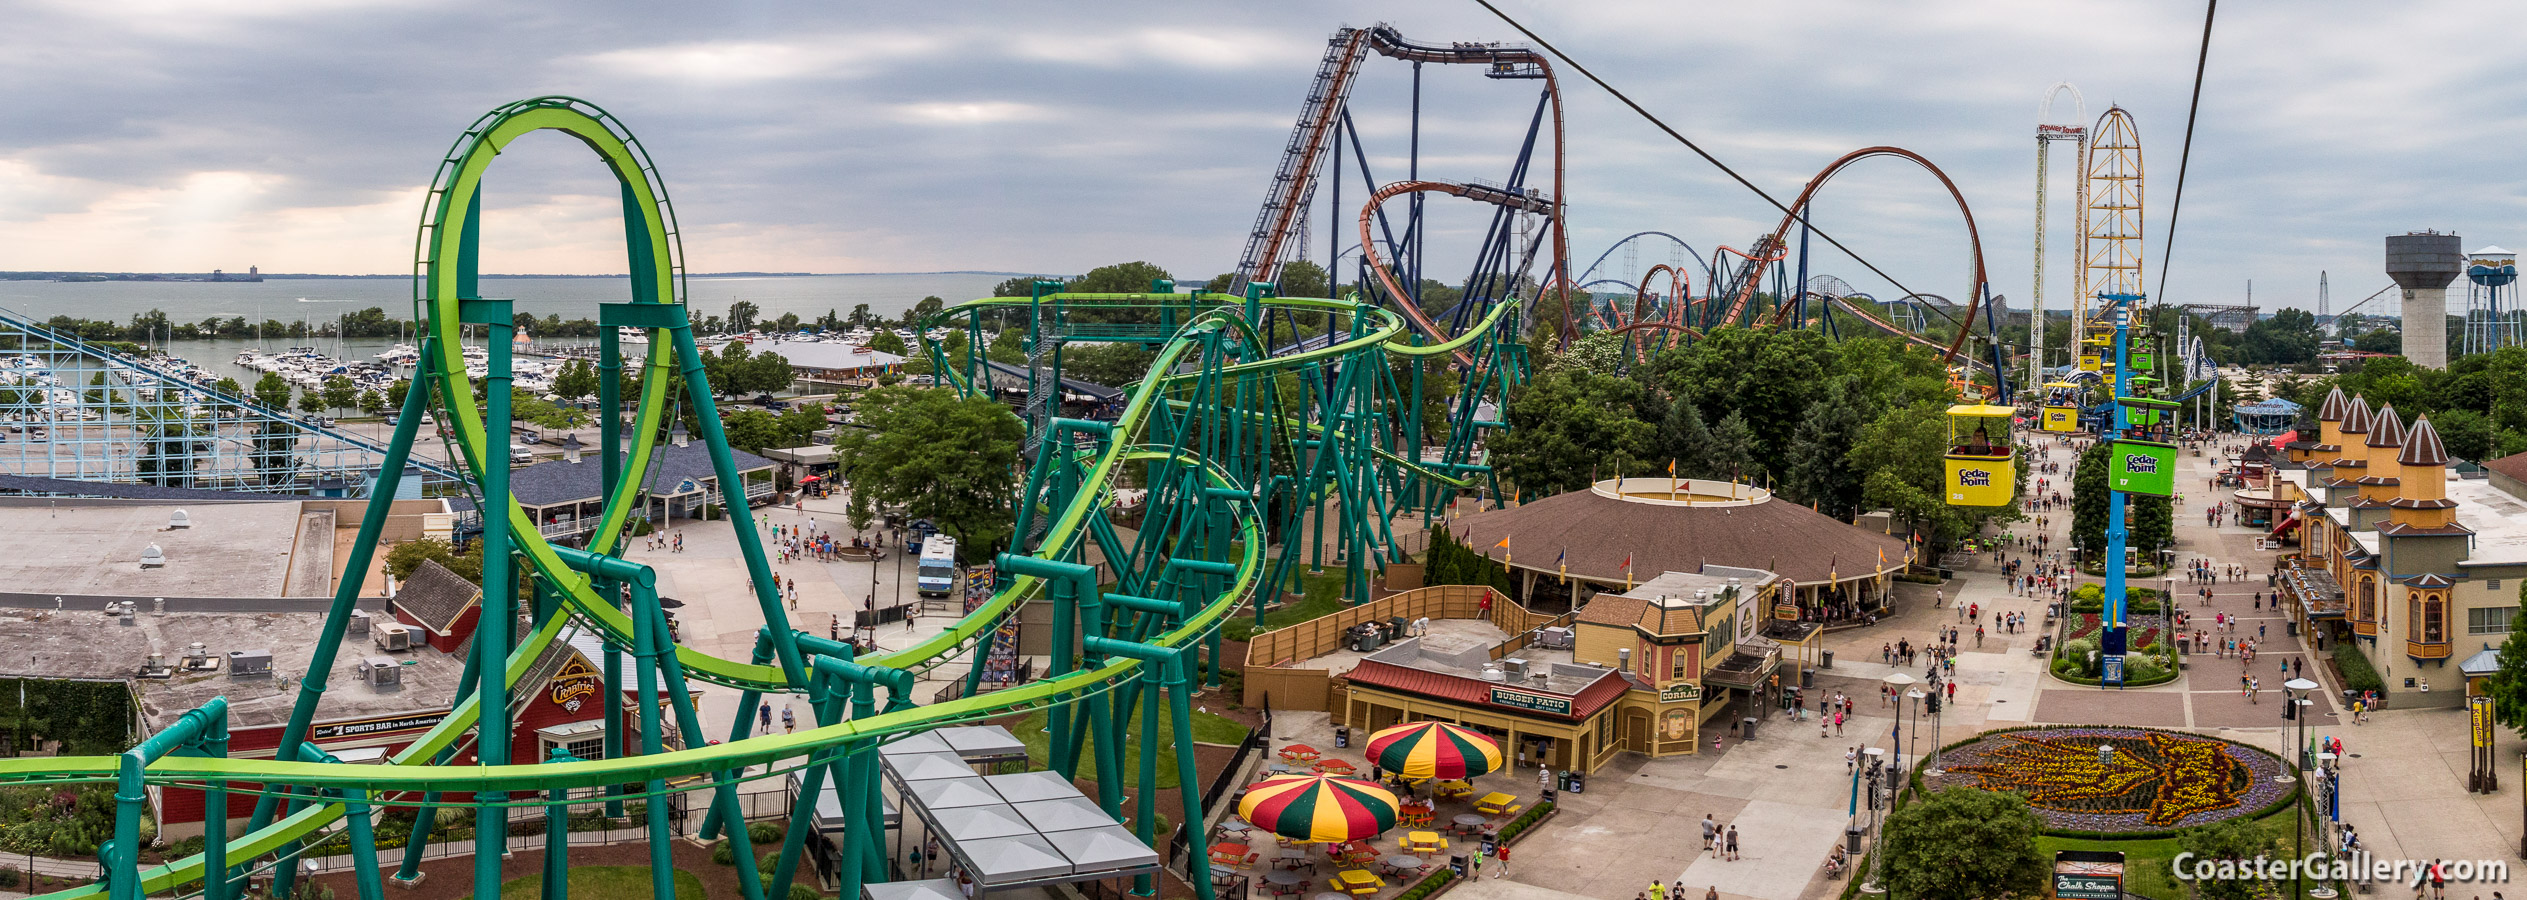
{"x":1053,"y":137}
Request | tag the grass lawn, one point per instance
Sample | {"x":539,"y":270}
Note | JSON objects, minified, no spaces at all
{"x":604,"y":883}
{"x":1207,"y":728}
{"x":1322,"y":597}
{"x":2147,"y":863}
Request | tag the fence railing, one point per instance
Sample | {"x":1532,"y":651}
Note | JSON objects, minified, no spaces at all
{"x":1318,"y":636}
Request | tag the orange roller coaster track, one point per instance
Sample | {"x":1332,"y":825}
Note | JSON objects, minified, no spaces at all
{"x":1526,"y":201}
{"x":1744,"y":295}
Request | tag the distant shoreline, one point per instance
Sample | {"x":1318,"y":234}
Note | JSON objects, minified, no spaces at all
{"x":203,"y":277}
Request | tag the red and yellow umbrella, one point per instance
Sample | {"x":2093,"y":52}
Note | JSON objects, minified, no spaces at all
{"x":1423,"y":750}
{"x":1323,"y":808}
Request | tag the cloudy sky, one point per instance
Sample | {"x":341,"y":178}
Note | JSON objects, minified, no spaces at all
{"x":298,"y":135}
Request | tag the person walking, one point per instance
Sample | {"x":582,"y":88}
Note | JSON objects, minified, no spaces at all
{"x":763,"y":718}
{"x":1732,"y":843}
{"x":1500,"y":862}
{"x":789,"y":720}
{"x":1709,"y":829}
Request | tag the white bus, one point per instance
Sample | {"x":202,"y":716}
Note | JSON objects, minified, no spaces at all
{"x":937,"y":575}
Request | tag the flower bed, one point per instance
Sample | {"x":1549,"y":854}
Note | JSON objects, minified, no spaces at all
{"x":2152,"y":782}
{"x":2133,"y":636}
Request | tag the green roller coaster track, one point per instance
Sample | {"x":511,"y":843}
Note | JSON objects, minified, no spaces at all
{"x":1229,"y":460}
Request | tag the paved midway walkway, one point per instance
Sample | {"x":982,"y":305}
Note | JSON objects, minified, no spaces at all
{"x":1787,"y":792}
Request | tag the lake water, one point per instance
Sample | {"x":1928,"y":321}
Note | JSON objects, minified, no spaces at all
{"x":322,"y":299}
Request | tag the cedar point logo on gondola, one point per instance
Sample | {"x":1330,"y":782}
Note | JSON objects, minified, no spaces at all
{"x":2140,"y":465}
{"x":1974,"y":478}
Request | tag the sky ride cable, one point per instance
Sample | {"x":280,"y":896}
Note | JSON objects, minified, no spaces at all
{"x":2202,"y":59}
{"x":1680,"y":138}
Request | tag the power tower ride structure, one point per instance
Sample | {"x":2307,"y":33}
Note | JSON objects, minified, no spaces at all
{"x":2046,"y":134}
{"x":2110,"y":233}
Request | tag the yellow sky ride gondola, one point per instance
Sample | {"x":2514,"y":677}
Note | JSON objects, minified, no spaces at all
{"x":2061,"y":406}
{"x":1981,"y":471}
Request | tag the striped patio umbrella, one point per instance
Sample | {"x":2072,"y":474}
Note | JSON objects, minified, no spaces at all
{"x":1423,"y":750}
{"x":1321,"y":808}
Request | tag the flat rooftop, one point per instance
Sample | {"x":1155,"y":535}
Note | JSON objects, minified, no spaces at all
{"x":90,"y":644}
{"x":1450,"y":655}
{"x":2498,"y":519}
{"x":232,"y":550}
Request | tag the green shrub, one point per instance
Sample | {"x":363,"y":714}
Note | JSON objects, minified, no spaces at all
{"x":1429,"y":884}
{"x":9,"y":878}
{"x":803,"y":892}
{"x":2358,"y":674}
{"x":724,"y":854}
{"x":761,"y":833}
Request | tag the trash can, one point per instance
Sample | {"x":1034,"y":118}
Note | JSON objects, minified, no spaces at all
{"x":1459,"y":863}
{"x":2290,"y":627}
{"x":1828,"y":657}
{"x":1746,"y":728}
{"x":1575,"y":782}
{"x":1342,"y":736}
{"x":1807,"y":678}
{"x":1851,"y":840}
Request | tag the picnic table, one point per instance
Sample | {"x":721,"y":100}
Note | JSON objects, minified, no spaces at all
{"x":1469,"y":822}
{"x":1300,"y":754}
{"x":1497,"y":803}
{"x":1400,"y":863}
{"x":1286,"y":882}
{"x":1424,"y":841}
{"x":1332,"y":766}
{"x":1359,"y":882}
{"x":1232,"y":853}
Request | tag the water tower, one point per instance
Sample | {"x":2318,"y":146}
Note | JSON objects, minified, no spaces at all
{"x":2491,"y":301}
{"x":2423,"y":263}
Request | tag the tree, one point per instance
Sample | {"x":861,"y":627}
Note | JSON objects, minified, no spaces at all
{"x":2238,"y":839}
{"x":372,"y":402}
{"x":1568,"y":429}
{"x":752,"y":430}
{"x":311,"y":402}
{"x":923,"y":310}
{"x":888,"y":342}
{"x":2508,"y":685}
{"x":949,"y":459}
{"x":2468,"y":435}
{"x":395,"y":392}
{"x":576,"y":381}
{"x":1020,"y":286}
{"x":1685,"y":439}
{"x":404,"y":558}
{"x":229,"y":386}
{"x":741,"y":315}
{"x":273,"y":391}
{"x":2379,"y":341}
{"x":1120,"y":278}
{"x":1302,"y":278}
{"x":1965,"y":843}
{"x":1113,"y":365}
{"x":340,"y":393}
{"x":859,"y":316}
{"x":767,"y":373}
{"x":1818,"y":468}
{"x":1732,"y":453}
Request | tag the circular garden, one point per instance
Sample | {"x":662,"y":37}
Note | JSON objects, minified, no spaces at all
{"x":2119,"y":781}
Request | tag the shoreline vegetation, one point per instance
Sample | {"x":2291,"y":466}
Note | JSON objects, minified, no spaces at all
{"x":205,"y":277}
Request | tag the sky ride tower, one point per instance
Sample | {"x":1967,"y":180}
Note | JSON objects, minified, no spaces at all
{"x":2046,"y":134}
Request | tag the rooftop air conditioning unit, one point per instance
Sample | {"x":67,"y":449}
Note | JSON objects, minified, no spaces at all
{"x":380,"y":671}
{"x":392,"y":636}
{"x":179,"y":520}
{"x":197,"y":657}
{"x":243,"y":663}
{"x":359,"y":622}
{"x":151,"y":557}
{"x":1515,"y":668}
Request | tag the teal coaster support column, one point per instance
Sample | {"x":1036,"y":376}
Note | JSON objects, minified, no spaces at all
{"x":121,"y":855}
{"x":500,"y":595}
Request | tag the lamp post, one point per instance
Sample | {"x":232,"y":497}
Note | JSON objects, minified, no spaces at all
{"x":1900,"y":682}
{"x":1879,"y":774}
{"x":2297,"y":691}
